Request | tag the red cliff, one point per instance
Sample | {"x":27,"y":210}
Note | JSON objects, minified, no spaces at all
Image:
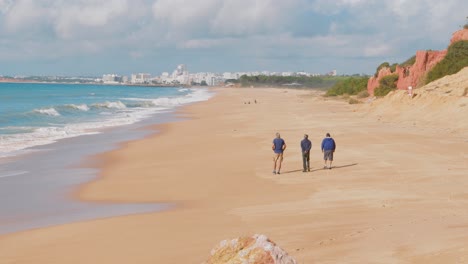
{"x":413,"y":75}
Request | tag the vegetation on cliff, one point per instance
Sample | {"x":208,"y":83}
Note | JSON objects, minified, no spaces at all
{"x":392,"y":67}
{"x":409,"y":62}
{"x":455,"y":60}
{"x":386,"y":85}
{"x":381,"y":66}
{"x":350,"y":86}
{"x":289,"y":81}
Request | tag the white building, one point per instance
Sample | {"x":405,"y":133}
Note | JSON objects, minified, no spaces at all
{"x":141,"y":78}
{"x":111,"y":78}
{"x":181,"y":75}
{"x":228,"y":75}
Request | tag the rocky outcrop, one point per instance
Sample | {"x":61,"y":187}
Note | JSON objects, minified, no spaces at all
{"x":373,"y":82}
{"x":257,"y":249}
{"x":461,"y":34}
{"x":413,"y":75}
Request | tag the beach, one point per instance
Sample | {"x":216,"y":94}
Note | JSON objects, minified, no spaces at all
{"x":396,"y":192}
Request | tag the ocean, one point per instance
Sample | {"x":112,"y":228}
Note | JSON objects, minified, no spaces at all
{"x":39,"y":114}
{"x":47,"y":133}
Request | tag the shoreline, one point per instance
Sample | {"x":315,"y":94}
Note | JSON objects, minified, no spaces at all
{"x":215,"y":165}
{"x":38,"y":185}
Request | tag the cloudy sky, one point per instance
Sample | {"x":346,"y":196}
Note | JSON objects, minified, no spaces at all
{"x":92,"y":37}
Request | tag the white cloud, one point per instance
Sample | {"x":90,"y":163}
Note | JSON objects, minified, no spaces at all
{"x":70,"y":19}
{"x":183,"y":16}
{"x":207,"y":43}
{"x":245,"y":17}
{"x":23,"y":15}
{"x":333,"y":7}
{"x":378,"y":50}
{"x":5,"y":5}
{"x":225,"y":18}
{"x":253,"y":29}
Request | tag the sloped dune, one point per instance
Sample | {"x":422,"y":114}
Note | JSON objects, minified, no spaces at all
{"x":442,"y":104}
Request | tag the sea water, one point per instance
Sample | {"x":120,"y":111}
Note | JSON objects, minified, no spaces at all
{"x":48,"y":130}
{"x":39,"y":114}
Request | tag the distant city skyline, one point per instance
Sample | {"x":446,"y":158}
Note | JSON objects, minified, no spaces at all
{"x":94,"y":37}
{"x":182,"y":75}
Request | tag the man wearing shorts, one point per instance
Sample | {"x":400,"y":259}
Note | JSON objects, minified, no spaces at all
{"x":278,"y":148}
{"x":328,"y":148}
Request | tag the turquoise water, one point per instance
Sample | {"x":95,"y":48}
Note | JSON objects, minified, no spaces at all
{"x":35,"y":188}
{"x":39,"y":114}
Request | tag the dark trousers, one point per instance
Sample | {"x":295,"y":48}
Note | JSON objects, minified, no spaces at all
{"x":305,"y":160}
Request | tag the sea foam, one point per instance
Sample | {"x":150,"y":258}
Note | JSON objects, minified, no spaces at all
{"x":81,"y":107}
{"x":115,"y":105}
{"x":47,"y":111}
{"x":118,"y":114}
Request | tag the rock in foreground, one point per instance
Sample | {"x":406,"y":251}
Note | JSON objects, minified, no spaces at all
{"x":257,"y":249}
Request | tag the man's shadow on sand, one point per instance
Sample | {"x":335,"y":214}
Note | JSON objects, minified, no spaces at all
{"x":319,"y":169}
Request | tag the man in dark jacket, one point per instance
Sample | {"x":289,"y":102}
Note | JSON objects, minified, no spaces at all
{"x":328,"y":148}
{"x":306,"y":145}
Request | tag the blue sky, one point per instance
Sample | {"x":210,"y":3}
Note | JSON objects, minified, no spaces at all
{"x":93,"y":37}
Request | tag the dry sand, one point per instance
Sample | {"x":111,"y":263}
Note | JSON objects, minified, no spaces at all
{"x":398,"y":192}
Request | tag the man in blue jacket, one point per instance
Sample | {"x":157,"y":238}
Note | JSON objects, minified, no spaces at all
{"x":306,"y":145}
{"x":328,"y":148}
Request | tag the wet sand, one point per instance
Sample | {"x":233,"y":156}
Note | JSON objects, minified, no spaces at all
{"x":397,"y":192}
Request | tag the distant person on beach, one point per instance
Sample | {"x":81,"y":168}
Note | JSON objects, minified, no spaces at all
{"x":328,"y":148}
{"x":410,"y":91}
{"x":278,"y":148}
{"x":306,"y":145}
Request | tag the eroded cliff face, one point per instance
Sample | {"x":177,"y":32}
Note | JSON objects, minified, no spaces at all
{"x":413,"y":75}
{"x":461,"y":34}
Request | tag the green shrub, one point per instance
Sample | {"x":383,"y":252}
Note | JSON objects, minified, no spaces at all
{"x":351,"y":86}
{"x":381,"y":66}
{"x":409,"y":62}
{"x":393,"y":67}
{"x":363,"y":94}
{"x":455,"y":60}
{"x":354,"y":101}
{"x":386,"y":85}
{"x":318,"y":82}
{"x":382,"y":91}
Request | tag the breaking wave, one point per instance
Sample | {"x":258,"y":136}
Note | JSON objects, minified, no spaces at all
{"x":110,"y":105}
{"x":81,"y":107}
{"x":47,"y":111}
{"x":16,"y":140}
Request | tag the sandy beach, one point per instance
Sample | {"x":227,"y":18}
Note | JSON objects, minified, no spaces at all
{"x":397,"y":192}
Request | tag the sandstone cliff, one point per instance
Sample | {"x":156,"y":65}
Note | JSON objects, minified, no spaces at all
{"x":413,"y":75}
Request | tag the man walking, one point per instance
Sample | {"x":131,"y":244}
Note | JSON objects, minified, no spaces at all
{"x":278,"y":148}
{"x":306,"y":145}
{"x":328,"y":148}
